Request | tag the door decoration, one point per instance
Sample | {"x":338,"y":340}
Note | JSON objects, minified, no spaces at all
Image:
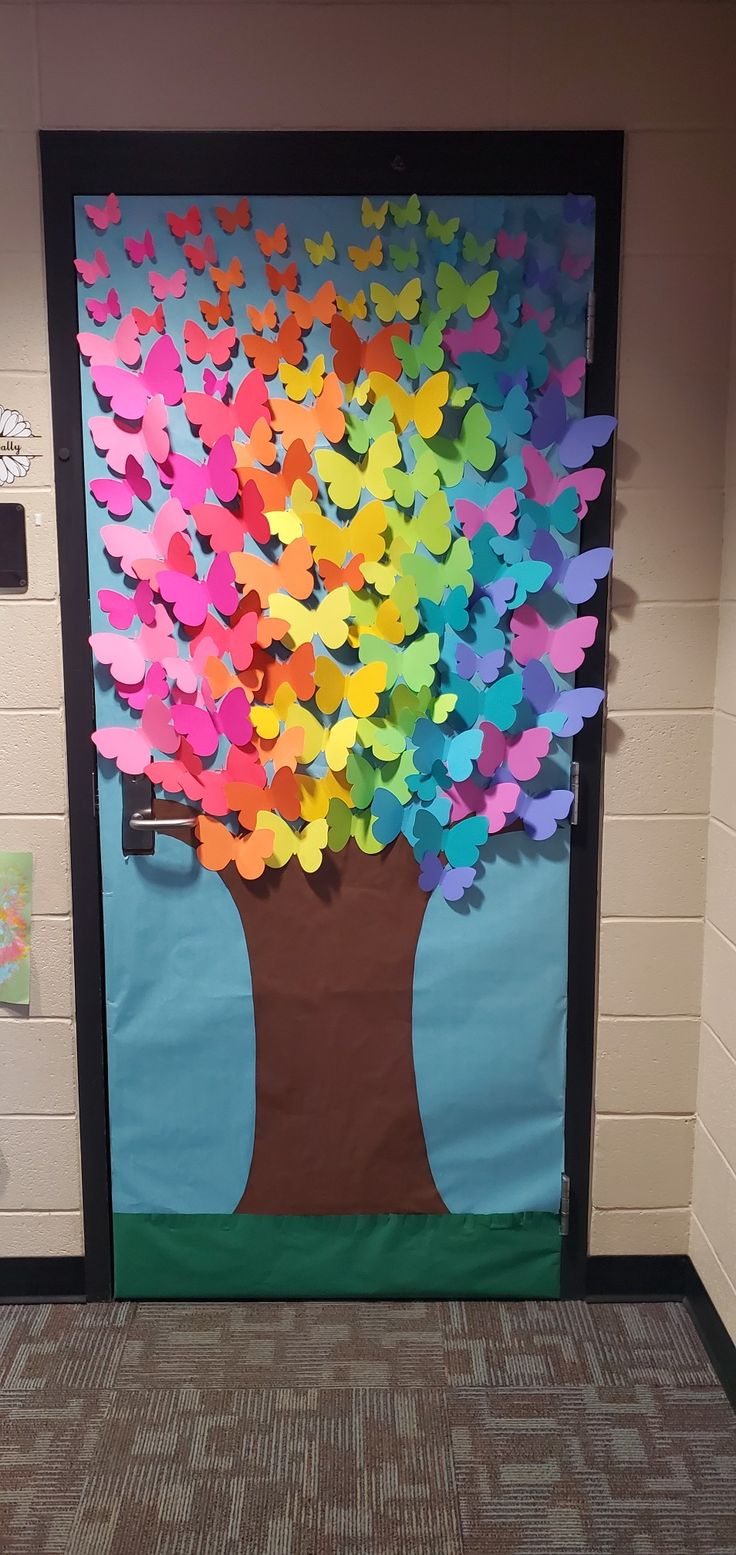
{"x":15,"y":927}
{"x":346,"y":467}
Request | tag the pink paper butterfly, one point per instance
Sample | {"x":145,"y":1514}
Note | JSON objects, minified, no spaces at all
{"x":202,"y":726}
{"x":142,"y":552}
{"x":154,"y":684}
{"x":91,"y":270}
{"x":545,"y":319}
{"x":123,"y":656}
{"x":496,"y":803}
{"x":215,"y":640}
{"x":500,"y":513}
{"x":522,"y":754}
{"x":129,"y":393}
{"x":128,"y":748}
{"x":483,"y":335}
{"x":123,"y":347}
{"x":100,"y":312}
{"x":191,"y":598}
{"x":164,"y":286}
{"x":510,"y":245}
{"x":117,"y":496}
{"x":570,"y":377}
{"x":214,"y":385}
{"x":104,"y":216}
{"x":575,"y":265}
{"x":564,"y":645}
{"x":123,"y":609}
{"x":138,"y":249}
{"x":543,"y":486}
{"x":190,"y":481}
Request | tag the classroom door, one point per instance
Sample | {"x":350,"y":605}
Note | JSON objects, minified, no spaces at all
{"x":336,"y":464}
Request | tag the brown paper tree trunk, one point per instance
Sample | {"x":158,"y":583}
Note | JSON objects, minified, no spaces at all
{"x":338,"y":1127}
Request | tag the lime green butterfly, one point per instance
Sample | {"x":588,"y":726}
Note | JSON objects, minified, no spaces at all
{"x":481,"y":252}
{"x":425,"y":352}
{"x":422,"y":480}
{"x":414,"y":664}
{"x":460,"y":396}
{"x":403,"y":258}
{"x":339,"y":823}
{"x":444,"y":231}
{"x":454,"y":293}
{"x":429,"y":527}
{"x":471,"y":446}
{"x":433,"y":577}
{"x":406,"y":215}
{"x":363,"y":430}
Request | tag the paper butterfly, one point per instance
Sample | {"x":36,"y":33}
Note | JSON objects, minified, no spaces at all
{"x":138,"y":249}
{"x":319,"y":251}
{"x":99,"y":312}
{"x":275,"y":242}
{"x":104,"y":216}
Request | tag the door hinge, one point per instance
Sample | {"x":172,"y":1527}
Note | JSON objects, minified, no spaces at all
{"x":575,"y":786}
{"x":590,"y":328}
{"x":565,"y":1205}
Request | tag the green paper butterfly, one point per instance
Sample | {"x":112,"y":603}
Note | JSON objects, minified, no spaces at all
{"x":472,"y":446}
{"x":406,"y":215}
{"x":443,"y":231}
{"x":454,"y":293}
{"x":427,"y":351}
{"x":403,"y":258}
{"x":473,"y":250}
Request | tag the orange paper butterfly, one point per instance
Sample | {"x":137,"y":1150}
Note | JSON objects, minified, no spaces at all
{"x":306,"y":309}
{"x":268,"y":319}
{"x":225,"y":279}
{"x":275,"y":242}
{"x":287,"y":278}
{"x":266,"y":354}
{"x":231,"y":220}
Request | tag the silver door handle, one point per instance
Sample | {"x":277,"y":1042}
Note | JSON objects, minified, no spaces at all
{"x":142,"y":820}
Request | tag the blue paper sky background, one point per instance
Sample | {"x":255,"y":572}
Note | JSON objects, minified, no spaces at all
{"x":490,"y":983}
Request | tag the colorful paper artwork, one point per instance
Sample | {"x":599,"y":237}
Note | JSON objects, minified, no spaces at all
{"x":343,"y":522}
{"x":15,"y":927}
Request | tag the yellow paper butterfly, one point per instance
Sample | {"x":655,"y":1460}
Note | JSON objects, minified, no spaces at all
{"x":306,"y":845}
{"x":345,"y":480}
{"x":329,"y":621}
{"x":373,"y":215}
{"x":360,"y":690}
{"x":364,"y":257}
{"x":357,"y":309}
{"x":299,"y":384}
{"x":405,"y":303}
{"x":315,"y":793}
{"x":424,"y":407}
{"x":318,"y":251}
{"x":339,"y":743}
{"x":363,"y":536}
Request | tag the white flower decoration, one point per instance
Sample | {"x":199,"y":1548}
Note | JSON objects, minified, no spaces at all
{"x":13,"y":466}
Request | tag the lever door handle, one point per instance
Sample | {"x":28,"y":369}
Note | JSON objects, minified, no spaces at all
{"x":142,"y":820}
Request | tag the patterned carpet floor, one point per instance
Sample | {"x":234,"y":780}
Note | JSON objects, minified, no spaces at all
{"x":484,"y":1428}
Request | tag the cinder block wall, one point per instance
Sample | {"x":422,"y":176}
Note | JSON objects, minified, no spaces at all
{"x":713,"y":1225}
{"x":663,"y":72}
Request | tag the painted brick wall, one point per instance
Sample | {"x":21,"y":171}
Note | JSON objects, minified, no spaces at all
{"x":659,"y":70}
{"x":713,"y":1225}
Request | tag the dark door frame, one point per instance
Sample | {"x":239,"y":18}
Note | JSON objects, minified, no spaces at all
{"x":490,"y":162}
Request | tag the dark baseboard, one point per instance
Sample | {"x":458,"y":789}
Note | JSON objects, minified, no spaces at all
{"x":607,"y":1279}
{"x":639,"y":1279}
{"x":668,"y":1279}
{"x":717,"y":1341}
{"x":41,"y":1279}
